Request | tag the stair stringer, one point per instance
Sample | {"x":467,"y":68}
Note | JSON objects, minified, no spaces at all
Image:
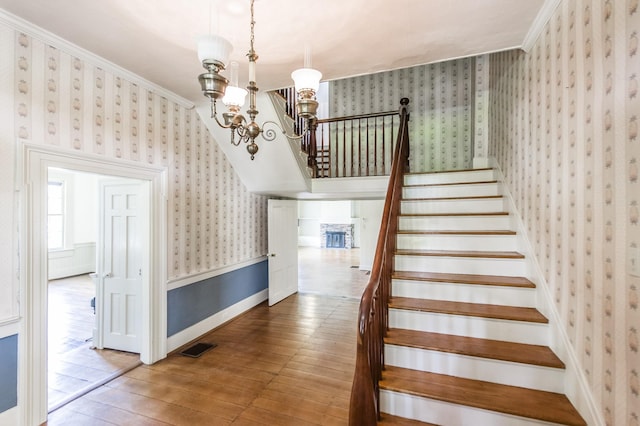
{"x":575,"y":382}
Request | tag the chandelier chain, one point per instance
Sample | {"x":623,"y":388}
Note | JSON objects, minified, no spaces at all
{"x":252,"y":39}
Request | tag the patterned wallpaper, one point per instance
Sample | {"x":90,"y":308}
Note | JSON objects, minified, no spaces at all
{"x":441,"y":107}
{"x":563,"y":127}
{"x":213,"y":221}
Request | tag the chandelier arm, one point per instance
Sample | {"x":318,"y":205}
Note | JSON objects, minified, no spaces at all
{"x":214,"y":115}
{"x":270,"y":134}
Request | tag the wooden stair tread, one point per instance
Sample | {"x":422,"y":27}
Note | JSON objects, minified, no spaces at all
{"x":479,"y":182}
{"x":388,"y":419}
{"x":496,"y":280}
{"x":517,"y":401}
{"x":456,"y":253}
{"x":454,"y":214}
{"x":511,"y":313}
{"x":481,"y":197}
{"x":458,"y":232}
{"x":476,"y":347}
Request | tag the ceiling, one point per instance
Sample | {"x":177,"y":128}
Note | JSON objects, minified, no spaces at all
{"x":156,"y":39}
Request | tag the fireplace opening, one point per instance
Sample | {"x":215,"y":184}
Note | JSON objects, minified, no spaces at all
{"x":335,"y":239}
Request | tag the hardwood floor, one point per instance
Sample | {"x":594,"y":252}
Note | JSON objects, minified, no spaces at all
{"x":333,"y":272}
{"x":73,"y":366}
{"x":291,"y":364}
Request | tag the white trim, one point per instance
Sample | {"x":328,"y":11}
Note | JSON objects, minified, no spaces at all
{"x":32,"y":166}
{"x":21,"y":25}
{"x":206,"y":325}
{"x":174,"y":283}
{"x":541,"y":20}
{"x":10,"y":417}
{"x":9,"y":327}
{"x":575,"y":383}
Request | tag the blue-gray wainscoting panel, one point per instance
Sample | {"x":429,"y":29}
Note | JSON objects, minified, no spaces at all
{"x":193,"y":303}
{"x":8,"y":372}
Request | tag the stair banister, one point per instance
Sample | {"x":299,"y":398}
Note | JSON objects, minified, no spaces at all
{"x":364,"y":409}
{"x":345,"y":153}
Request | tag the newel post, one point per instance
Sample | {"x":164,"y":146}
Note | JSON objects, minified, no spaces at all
{"x":404,"y":109}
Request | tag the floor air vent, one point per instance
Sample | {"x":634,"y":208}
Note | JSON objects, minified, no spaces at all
{"x":198,"y":349}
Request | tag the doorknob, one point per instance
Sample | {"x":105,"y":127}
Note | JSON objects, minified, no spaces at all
{"x":107,"y":275}
{"x":271,"y":255}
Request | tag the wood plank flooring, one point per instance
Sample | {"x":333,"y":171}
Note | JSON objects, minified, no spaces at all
{"x":291,"y":364}
{"x":73,"y":365}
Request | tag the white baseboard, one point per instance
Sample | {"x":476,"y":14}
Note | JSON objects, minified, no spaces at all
{"x":9,"y":417}
{"x":187,"y":335}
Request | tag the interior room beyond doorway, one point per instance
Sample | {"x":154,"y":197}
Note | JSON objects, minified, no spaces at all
{"x":336,"y":245}
{"x":73,"y":364}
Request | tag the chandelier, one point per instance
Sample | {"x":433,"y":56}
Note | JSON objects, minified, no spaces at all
{"x":213,"y":52}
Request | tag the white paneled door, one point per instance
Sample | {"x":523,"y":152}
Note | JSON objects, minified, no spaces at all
{"x":119,"y":303}
{"x":283,"y":249}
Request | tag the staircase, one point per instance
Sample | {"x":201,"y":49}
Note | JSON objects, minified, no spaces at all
{"x":466,"y":345}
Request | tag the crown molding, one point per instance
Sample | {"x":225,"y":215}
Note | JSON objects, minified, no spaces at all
{"x":536,"y":28}
{"x":23,"y":26}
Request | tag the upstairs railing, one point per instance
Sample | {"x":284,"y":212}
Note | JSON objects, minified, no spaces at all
{"x":364,"y":409}
{"x":350,"y":146}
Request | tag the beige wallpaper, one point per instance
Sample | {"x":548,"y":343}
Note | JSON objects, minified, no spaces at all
{"x":60,"y":100}
{"x":441,"y":104}
{"x":563,"y":127}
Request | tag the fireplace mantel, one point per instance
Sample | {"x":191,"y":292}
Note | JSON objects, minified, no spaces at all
{"x":347,"y":228}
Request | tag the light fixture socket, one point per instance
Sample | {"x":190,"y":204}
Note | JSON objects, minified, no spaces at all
{"x":213,"y":85}
{"x":307,"y":107}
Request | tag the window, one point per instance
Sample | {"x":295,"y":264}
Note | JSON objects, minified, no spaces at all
{"x":55,"y":215}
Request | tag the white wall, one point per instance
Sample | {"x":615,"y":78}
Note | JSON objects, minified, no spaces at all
{"x":369,"y":214}
{"x":312,"y":213}
{"x":81,"y":225}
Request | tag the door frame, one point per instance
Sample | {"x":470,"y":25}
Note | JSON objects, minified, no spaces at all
{"x":32,"y":164}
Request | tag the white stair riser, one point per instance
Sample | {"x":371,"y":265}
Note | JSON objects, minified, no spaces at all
{"x":439,"y":191}
{"x":450,"y":177}
{"x":445,"y":413}
{"x":460,"y":325}
{"x":454,"y":223}
{"x":457,"y":242}
{"x":461,"y":265}
{"x":476,"y":368}
{"x":476,"y":205}
{"x":471,"y":293}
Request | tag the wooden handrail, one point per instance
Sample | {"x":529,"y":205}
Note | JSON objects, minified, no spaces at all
{"x":364,"y":408}
{"x":356,"y":117}
{"x":349,"y":146}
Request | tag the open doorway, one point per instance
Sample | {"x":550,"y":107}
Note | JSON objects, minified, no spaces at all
{"x":75,"y":310}
{"x":33,"y":163}
{"x":336,"y":245}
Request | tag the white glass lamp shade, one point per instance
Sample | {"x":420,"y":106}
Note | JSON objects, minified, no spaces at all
{"x":306,"y":79}
{"x":213,"y":48}
{"x":234,"y":96}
